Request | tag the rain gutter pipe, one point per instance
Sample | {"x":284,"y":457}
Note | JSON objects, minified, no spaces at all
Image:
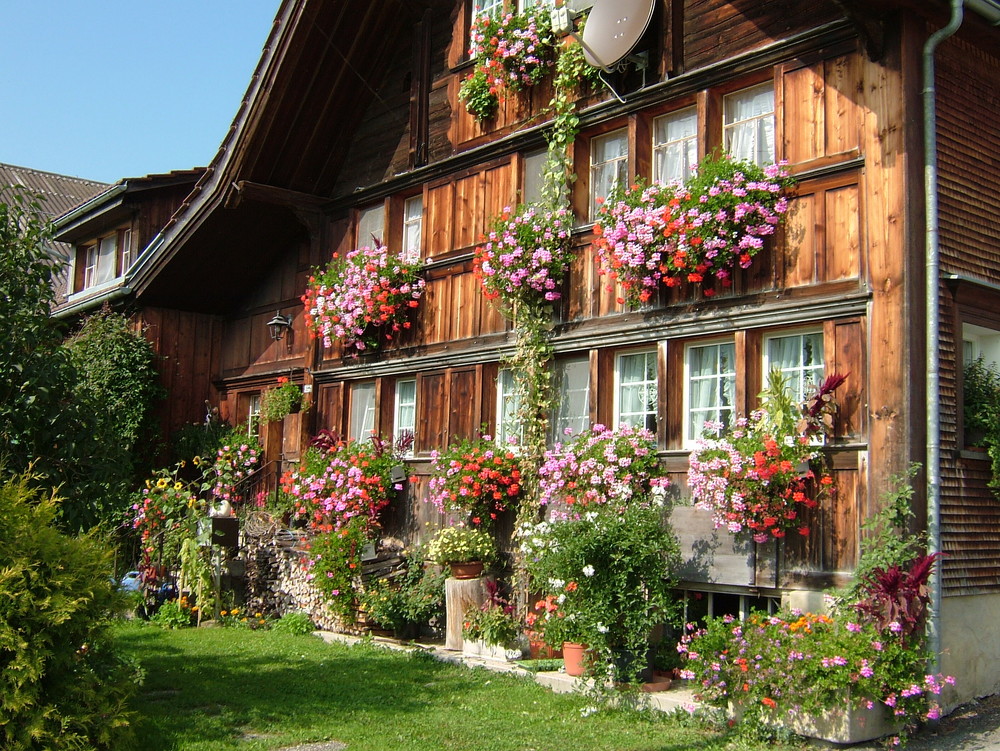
{"x":933,"y":273}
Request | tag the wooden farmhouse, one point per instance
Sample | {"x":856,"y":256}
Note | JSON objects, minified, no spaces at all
{"x":352,"y":127}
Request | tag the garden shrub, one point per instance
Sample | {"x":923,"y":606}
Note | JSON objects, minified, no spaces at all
{"x":62,"y":683}
{"x":298,"y":624}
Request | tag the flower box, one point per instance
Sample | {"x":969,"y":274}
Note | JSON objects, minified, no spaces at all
{"x":844,"y":725}
{"x":482,"y":651}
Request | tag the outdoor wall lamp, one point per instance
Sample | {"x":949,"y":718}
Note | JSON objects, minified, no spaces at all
{"x":278,"y":325}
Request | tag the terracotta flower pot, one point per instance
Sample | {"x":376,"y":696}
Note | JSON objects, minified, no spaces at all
{"x":470,"y":570}
{"x":574,"y":658}
{"x":539,"y":650}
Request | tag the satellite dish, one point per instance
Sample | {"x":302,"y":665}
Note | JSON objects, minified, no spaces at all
{"x":613,"y":29}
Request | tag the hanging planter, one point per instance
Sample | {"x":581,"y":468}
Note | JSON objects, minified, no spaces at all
{"x":363,"y":298}
{"x":696,"y":233}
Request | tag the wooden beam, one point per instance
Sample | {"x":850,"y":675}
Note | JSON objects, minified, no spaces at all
{"x":270,"y":194}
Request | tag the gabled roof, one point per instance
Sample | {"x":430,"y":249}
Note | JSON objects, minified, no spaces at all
{"x":61,"y":192}
{"x":320,"y":69}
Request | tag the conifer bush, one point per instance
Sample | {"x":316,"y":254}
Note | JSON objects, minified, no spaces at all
{"x":62,"y":683}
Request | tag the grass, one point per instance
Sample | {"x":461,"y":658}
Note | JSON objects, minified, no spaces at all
{"x":214,"y":689}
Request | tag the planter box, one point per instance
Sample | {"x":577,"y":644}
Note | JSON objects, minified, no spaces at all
{"x":845,"y":725}
{"x":483,"y":651}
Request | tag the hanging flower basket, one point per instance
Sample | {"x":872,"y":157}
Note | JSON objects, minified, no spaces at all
{"x":697,"y":233}
{"x":363,"y":298}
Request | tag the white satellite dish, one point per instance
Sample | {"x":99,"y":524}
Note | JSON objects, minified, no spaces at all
{"x":613,"y":29}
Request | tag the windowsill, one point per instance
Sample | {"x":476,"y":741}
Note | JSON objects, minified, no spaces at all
{"x":96,"y":290}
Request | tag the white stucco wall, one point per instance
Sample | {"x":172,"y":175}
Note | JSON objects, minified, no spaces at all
{"x":970,"y":643}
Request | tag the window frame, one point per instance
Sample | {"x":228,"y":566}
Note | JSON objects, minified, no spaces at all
{"x":406,"y":253}
{"x":370,"y":408}
{"x":361,"y":213}
{"x":397,"y":427}
{"x":784,"y":334}
{"x":654,"y":146}
{"x":687,"y":439}
{"x":625,"y":131}
{"x":506,"y":388}
{"x":556,"y":433}
{"x":727,"y":128}
{"x":617,"y":370}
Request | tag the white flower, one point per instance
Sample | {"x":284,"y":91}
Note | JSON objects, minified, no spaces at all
{"x":556,"y":583}
{"x":601,"y":628}
{"x":588,"y":570}
{"x":561,"y":599}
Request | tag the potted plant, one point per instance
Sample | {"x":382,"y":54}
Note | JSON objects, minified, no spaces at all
{"x":465,"y":550}
{"x":491,"y":630}
{"x":609,"y":574}
{"x":283,"y":400}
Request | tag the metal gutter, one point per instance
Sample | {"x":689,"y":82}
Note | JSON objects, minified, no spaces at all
{"x":78,"y":307}
{"x":86,"y":207}
{"x":932,"y":282}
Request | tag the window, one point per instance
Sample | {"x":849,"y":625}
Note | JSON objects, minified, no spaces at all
{"x":508,"y":430}
{"x":405,"y":413}
{"x":748,"y":129}
{"x":253,"y":414}
{"x":126,"y":250}
{"x":534,"y":164}
{"x":675,"y":145}
{"x":571,"y":386}
{"x":362,"y":411}
{"x":523,"y":5}
{"x":608,"y":166}
{"x":979,"y":341}
{"x":637,"y":390}
{"x":371,"y":226}
{"x":486,"y":7}
{"x":799,"y":357}
{"x":711,"y":386}
{"x":413,"y":219}
{"x":100,"y":260}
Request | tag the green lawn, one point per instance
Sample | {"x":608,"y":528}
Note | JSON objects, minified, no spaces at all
{"x":210,"y":689}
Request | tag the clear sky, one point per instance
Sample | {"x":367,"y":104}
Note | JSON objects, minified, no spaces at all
{"x":106,"y":89}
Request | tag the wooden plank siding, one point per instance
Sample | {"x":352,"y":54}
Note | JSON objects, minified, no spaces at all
{"x":968,"y":79}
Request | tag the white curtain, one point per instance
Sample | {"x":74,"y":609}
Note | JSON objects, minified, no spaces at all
{"x":609,"y":166}
{"x":675,"y":146}
{"x":749,"y":124}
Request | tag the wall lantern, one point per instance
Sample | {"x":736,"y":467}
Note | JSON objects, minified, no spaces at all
{"x":277,"y":326}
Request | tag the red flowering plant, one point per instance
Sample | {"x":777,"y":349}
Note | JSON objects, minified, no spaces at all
{"x":511,"y":52}
{"x":696,"y":232}
{"x":363,"y":298}
{"x":475,"y":477}
{"x":343,"y":480}
{"x":525,"y":255}
{"x":759,"y":475}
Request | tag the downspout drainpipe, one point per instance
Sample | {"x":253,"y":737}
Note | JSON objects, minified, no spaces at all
{"x":933,"y":329}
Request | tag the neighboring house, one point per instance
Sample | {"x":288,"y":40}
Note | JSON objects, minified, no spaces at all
{"x":59,"y":194}
{"x":105,"y":236}
{"x":352,"y":126}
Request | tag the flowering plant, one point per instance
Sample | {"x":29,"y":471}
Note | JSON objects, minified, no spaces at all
{"x":757,"y":476}
{"x":610,"y":577}
{"x":343,"y":481}
{"x":692,"y":233}
{"x":783,"y":665}
{"x":363,"y":297}
{"x":234,"y":461}
{"x":164,"y":504}
{"x":525,"y":255}
{"x":280,"y":401}
{"x":333,"y":563}
{"x":476,"y":477}
{"x":511,"y":51}
{"x":493,"y":622}
{"x":461,"y":545}
{"x":601,"y":466}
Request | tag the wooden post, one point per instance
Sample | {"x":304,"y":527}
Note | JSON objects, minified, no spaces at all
{"x":460,"y":595}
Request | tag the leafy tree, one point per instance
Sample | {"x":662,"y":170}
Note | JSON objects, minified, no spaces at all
{"x":117,"y":381}
{"x":63,"y":685}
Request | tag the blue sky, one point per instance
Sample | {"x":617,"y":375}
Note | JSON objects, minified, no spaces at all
{"x":124,"y":88}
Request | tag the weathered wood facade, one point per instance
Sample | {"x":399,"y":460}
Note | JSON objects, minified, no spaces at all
{"x":354,"y":108}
